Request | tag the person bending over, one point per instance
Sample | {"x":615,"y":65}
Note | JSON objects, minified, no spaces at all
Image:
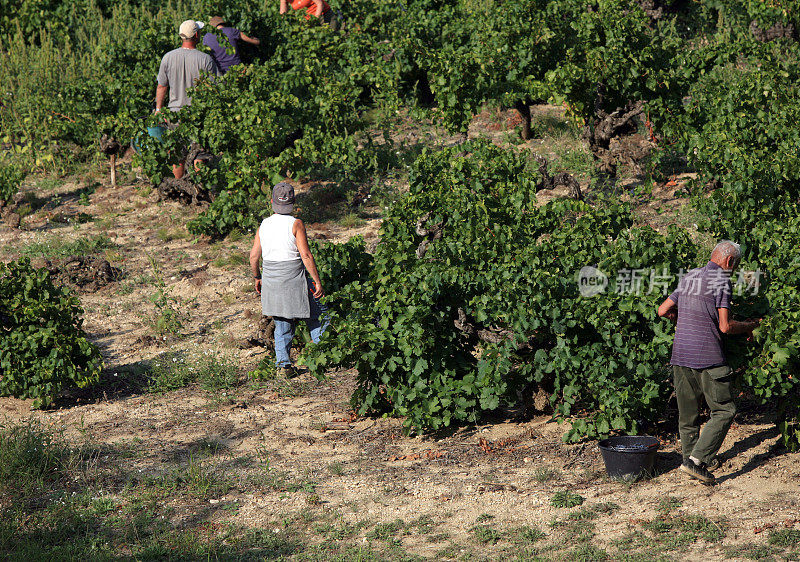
{"x":314,"y":8}
{"x":219,"y":53}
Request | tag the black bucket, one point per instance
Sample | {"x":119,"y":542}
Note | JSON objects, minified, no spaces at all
{"x":628,"y":457}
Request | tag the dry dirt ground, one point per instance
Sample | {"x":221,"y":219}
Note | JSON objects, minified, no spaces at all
{"x":289,"y":456}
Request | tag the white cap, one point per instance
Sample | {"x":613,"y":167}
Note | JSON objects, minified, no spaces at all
{"x":189,"y":28}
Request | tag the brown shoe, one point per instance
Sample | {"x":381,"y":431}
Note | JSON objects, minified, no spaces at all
{"x":287,"y":372}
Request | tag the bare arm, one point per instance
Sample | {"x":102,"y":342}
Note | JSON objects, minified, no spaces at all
{"x":301,"y":238}
{"x":320,"y":7}
{"x":668,"y":309}
{"x":731,"y":327}
{"x":255,"y":255}
{"x":284,"y":6}
{"x":251,"y":40}
{"x":161,"y":95}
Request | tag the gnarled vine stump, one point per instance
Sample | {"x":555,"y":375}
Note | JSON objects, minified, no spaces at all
{"x":185,"y":189}
{"x":613,"y":139}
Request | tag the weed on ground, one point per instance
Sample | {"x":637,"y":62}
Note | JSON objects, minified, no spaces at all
{"x":55,"y":247}
{"x":211,"y":372}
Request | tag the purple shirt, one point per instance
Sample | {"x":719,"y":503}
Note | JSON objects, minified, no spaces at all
{"x":218,"y":52}
{"x":698,"y":341}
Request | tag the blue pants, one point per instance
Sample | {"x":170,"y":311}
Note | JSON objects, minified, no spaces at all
{"x":284,"y":330}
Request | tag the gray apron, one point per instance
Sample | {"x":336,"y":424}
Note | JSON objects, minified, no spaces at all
{"x":284,"y":289}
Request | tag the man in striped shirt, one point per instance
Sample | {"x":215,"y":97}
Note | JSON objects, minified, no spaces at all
{"x":701,"y":308}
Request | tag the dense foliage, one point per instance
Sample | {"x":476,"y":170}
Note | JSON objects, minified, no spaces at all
{"x":736,"y":134}
{"x":470,"y":299}
{"x":42,"y":346}
{"x":505,"y":266}
{"x":10,"y":179}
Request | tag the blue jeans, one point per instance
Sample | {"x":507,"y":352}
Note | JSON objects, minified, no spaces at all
{"x":284,"y":330}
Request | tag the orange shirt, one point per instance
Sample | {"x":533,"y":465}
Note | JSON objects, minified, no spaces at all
{"x":311,"y":8}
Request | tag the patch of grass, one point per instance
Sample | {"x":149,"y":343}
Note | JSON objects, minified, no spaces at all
{"x":168,"y":318}
{"x":680,"y":530}
{"x":195,"y":477}
{"x":289,"y":387}
{"x":107,"y":222}
{"x":604,"y":507}
{"x":48,"y":184}
{"x":703,"y":527}
{"x":343,"y":531}
{"x":267,"y":478}
{"x":174,"y":370}
{"x":126,"y":288}
{"x":273,"y":480}
{"x":566,"y":498}
{"x":58,"y":247}
{"x":484,"y":534}
{"x":647,"y":556}
{"x":454,"y":551}
{"x":635,"y":539}
{"x":208,"y":446}
{"x":236,"y":235}
{"x":31,"y":457}
{"x":785,"y":538}
{"x":753,"y":552}
{"x":202,"y":481}
{"x":93,"y":524}
{"x":551,"y":125}
{"x":232,"y":260}
{"x":668,"y":504}
{"x":170,"y":372}
{"x":423,"y":525}
{"x":144,"y":279}
{"x":269,"y":542}
{"x":577,"y":530}
{"x":55,"y":532}
{"x":526,"y":535}
{"x":660,"y":526}
{"x":386,"y":531}
{"x":336,"y":468}
{"x":583,"y":514}
{"x":484,"y":517}
{"x":216,"y":374}
{"x":571,"y":156}
{"x":73,"y":219}
{"x":544,"y":474}
{"x":351,"y":220}
{"x":166,"y":234}
{"x":75,"y":530}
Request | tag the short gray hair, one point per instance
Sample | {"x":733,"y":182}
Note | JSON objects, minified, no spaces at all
{"x":727,"y":248}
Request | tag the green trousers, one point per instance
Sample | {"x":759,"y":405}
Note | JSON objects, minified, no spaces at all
{"x":715,"y":385}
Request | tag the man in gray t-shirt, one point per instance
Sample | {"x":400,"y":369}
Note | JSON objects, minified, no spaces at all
{"x":179,"y":70}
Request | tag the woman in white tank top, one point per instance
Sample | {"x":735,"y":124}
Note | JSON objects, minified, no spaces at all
{"x":286,"y":293}
{"x":278,"y":242}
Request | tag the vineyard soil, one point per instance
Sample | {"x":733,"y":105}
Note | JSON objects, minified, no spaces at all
{"x":288,"y":457}
{"x":452,"y":480}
